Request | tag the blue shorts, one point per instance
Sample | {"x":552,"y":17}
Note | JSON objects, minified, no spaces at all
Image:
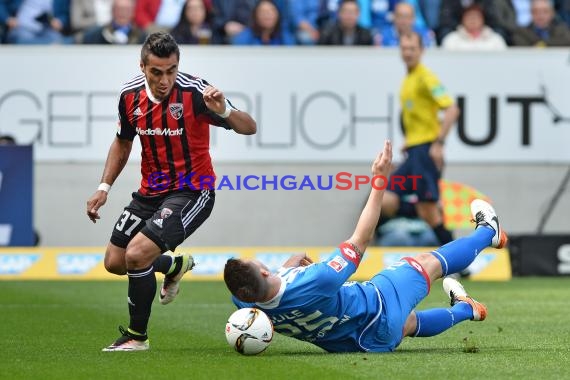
{"x":418,"y":163}
{"x":402,"y":287}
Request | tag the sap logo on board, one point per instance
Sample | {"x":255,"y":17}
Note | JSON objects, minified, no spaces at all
{"x":211,"y":264}
{"x":77,"y":263}
{"x":16,"y":264}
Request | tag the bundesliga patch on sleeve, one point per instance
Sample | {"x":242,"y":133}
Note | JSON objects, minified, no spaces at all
{"x":337,"y":263}
{"x":349,"y":253}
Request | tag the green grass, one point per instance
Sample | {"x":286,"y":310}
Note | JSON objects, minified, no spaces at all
{"x":55,"y":330}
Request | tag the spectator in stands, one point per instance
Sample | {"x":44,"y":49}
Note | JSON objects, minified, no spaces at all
{"x":500,"y":15}
{"x":153,"y":15}
{"x":346,"y":30}
{"x":308,"y":17}
{"x":8,"y":20}
{"x":450,"y":13}
{"x":121,"y":30}
{"x":230,"y":17}
{"x":404,"y":23}
{"x":40,"y":22}
{"x":382,"y":14}
{"x":86,"y":14}
{"x":330,"y":11}
{"x":544,"y":30}
{"x":473,"y":34}
{"x":194,"y":26}
{"x":265,"y":27}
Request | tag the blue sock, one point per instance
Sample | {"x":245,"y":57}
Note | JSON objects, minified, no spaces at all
{"x":457,"y":255}
{"x":435,"y":321}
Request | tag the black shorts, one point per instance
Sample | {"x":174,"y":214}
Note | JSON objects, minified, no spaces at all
{"x":418,"y":163}
{"x":167,"y":219}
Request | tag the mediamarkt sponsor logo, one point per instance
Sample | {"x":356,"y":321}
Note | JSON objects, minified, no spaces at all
{"x":160,"y":132}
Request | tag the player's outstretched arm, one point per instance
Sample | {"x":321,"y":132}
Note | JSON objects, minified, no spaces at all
{"x":116,"y":159}
{"x":368,"y":220}
{"x":241,"y":122}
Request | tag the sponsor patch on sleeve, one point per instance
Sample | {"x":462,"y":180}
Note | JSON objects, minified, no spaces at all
{"x":349,"y":253}
{"x":337,"y":263}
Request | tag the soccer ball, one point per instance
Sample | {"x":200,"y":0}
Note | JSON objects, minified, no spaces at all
{"x":249,"y":331}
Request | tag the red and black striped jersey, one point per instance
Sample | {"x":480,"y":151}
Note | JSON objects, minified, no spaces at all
{"x":174,"y":134}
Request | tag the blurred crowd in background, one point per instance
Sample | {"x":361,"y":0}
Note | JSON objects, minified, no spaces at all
{"x":451,"y":24}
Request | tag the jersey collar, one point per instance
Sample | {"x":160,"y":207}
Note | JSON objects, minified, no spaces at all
{"x":274,"y":302}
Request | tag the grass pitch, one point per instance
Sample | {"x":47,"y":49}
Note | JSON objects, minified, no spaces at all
{"x":55,"y":330}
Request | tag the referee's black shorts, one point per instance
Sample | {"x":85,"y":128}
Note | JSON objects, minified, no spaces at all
{"x":166,"y":219}
{"x":418,"y":163}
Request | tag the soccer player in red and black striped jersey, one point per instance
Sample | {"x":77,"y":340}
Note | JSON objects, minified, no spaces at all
{"x":171,"y":112}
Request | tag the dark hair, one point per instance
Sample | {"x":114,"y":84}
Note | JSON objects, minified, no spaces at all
{"x":160,"y":44}
{"x":244,"y":281}
{"x":276,"y":32}
{"x":411,"y":35}
{"x":181,"y":31}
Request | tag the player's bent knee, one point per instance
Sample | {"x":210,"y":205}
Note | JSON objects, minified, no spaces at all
{"x":115,"y":267}
{"x":140,"y":253}
{"x":431,"y":265}
{"x":114,"y":261}
{"x":133,"y":258}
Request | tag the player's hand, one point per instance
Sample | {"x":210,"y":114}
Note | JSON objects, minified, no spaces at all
{"x":436,"y":154}
{"x":94,"y":203}
{"x":298,"y":260}
{"x":305,"y":261}
{"x":214,"y":99}
{"x":383,"y":162}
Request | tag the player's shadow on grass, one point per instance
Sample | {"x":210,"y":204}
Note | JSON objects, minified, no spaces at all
{"x":296,"y":352}
{"x":429,"y":350}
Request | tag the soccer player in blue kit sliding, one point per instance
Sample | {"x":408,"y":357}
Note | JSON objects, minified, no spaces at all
{"x":314,"y":303}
